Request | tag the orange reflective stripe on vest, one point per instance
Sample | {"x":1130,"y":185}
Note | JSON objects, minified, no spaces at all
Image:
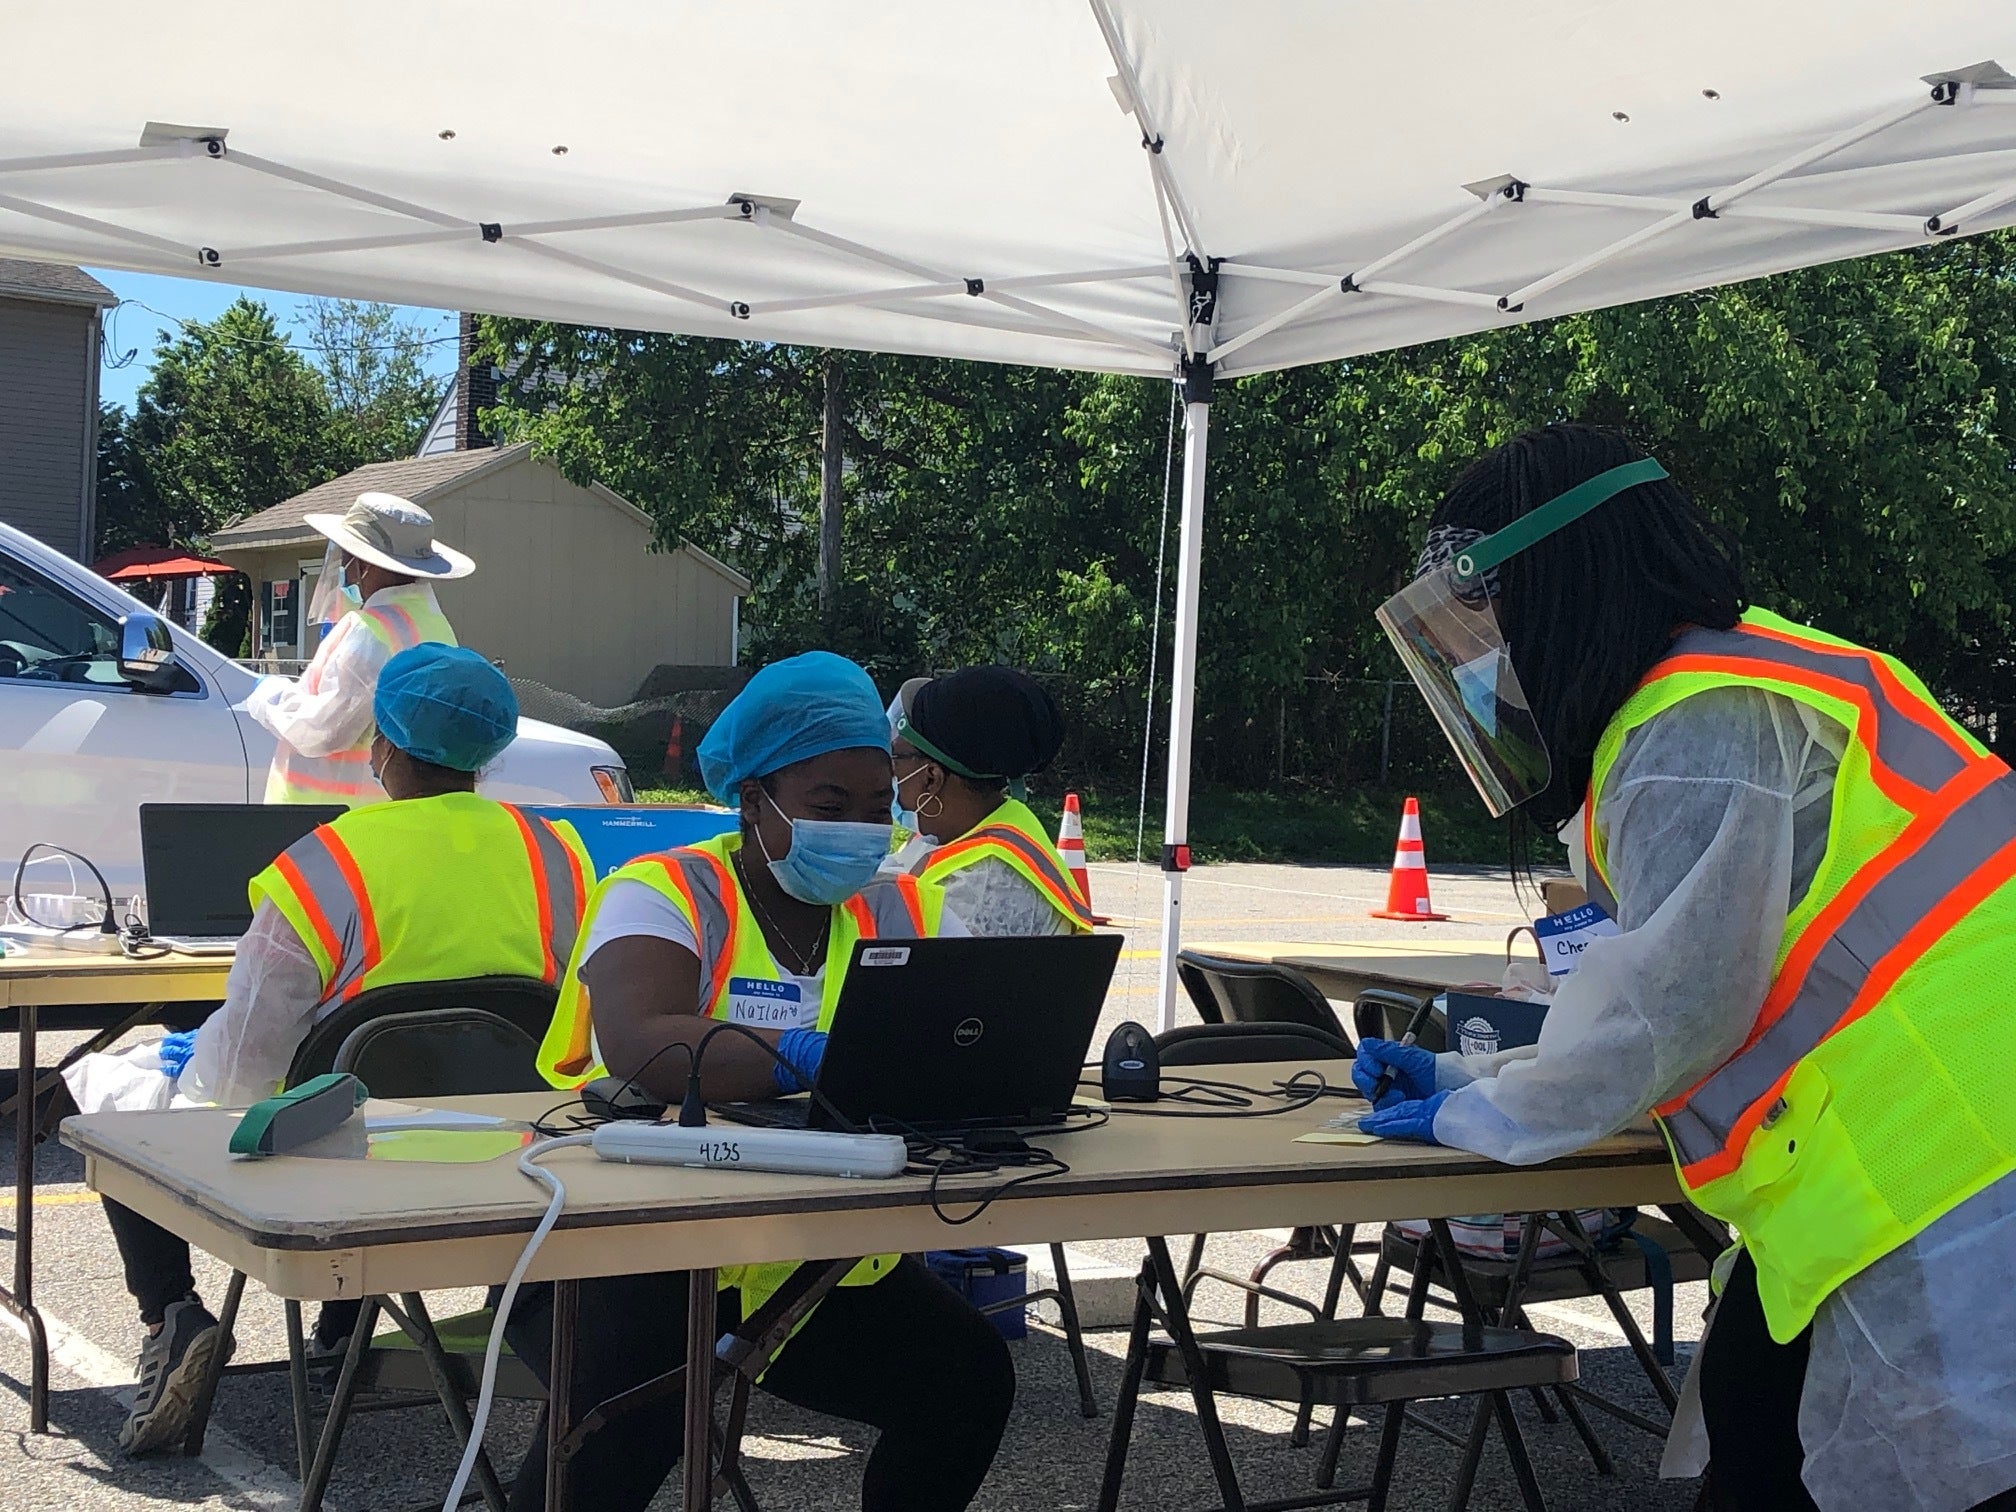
{"x":1894,"y":907}
{"x":1889,"y":915}
{"x":559,"y":886}
{"x":325,"y":878}
{"x":1056,"y":884}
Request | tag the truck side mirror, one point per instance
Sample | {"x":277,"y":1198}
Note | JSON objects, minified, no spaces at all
{"x":147,"y":654}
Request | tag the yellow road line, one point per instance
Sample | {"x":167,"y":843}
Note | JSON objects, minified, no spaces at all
{"x":52,"y":1199}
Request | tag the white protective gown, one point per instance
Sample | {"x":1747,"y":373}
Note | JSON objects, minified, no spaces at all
{"x":1715,"y":820}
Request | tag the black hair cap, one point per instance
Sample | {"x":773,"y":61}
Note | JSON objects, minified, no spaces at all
{"x":995,"y":721}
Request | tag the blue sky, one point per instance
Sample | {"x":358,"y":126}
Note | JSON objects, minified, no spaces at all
{"x":132,"y":328}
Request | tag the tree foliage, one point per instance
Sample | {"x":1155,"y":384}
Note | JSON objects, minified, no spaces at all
{"x":234,"y":418}
{"x":1855,"y":424}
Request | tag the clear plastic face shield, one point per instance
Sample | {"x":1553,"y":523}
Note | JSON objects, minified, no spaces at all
{"x":1445,"y":626}
{"x":332,"y":599}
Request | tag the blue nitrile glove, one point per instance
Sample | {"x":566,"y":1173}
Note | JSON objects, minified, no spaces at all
{"x":1412,"y":1119}
{"x":175,"y":1051}
{"x":803,"y":1049}
{"x":1413,"y":1070}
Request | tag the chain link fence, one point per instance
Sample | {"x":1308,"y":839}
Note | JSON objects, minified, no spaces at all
{"x":641,"y":730}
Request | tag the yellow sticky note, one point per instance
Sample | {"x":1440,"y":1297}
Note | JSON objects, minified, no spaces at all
{"x":1336,"y":1136}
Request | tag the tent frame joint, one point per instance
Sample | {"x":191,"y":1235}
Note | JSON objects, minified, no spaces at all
{"x":1199,"y":376}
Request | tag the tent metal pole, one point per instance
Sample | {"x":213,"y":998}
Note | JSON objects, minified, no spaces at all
{"x":1197,"y":379}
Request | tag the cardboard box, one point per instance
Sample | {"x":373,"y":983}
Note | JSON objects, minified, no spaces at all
{"x":1562,"y":894}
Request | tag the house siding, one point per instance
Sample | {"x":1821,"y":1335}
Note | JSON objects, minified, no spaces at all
{"x":48,"y":421}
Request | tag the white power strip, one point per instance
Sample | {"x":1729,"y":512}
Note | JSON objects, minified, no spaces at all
{"x":808,"y":1152}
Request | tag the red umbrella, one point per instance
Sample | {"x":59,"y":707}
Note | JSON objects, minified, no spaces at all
{"x":146,"y":563}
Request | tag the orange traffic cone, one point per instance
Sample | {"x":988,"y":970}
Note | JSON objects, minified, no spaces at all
{"x":1071,"y":846}
{"x":675,"y":748}
{"x":1407,"y":887}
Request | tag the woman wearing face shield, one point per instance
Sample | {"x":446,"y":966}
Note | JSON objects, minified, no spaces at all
{"x":963,"y":744}
{"x":1812,"y":869}
{"x":756,"y":928}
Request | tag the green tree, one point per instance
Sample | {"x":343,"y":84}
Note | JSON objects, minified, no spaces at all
{"x":373,"y":366}
{"x":1854,"y":424}
{"x":231,"y":420}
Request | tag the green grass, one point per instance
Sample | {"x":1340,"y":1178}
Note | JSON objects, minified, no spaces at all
{"x":1295,"y":825}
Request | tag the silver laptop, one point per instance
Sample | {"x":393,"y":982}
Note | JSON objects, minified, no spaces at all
{"x":199,"y":860}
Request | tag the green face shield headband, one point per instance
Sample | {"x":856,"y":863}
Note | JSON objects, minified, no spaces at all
{"x":1445,"y":628}
{"x":1017,"y":788}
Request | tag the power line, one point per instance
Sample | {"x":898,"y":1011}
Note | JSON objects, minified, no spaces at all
{"x":114,"y":360}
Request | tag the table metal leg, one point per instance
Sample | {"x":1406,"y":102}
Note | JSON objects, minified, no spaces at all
{"x":1176,"y":1318}
{"x":560,"y":1390}
{"x":697,"y":1463}
{"x":20,"y":1298}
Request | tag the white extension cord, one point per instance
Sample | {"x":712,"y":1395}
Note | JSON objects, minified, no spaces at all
{"x":804,"y":1152}
{"x":528,"y":1163}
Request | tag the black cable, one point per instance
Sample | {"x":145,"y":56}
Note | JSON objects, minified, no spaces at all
{"x":961,"y":1160}
{"x":846,"y":1124}
{"x":105,"y":925}
{"x":1296,"y":1093}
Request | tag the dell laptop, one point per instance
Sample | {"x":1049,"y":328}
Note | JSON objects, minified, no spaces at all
{"x":954,"y":1033}
{"x":199,"y":860}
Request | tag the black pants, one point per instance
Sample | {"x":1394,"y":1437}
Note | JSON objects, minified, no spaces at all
{"x":158,"y":1272}
{"x":1750,"y":1390}
{"x":908,"y":1356}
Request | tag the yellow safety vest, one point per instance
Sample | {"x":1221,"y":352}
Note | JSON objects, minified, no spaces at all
{"x":700,"y":881}
{"x":398,"y":619}
{"x":1012,"y":833}
{"x":1871,"y":1095}
{"x":430,"y":890}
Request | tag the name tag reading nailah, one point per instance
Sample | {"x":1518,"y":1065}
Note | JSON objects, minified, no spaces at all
{"x":769,"y":1005}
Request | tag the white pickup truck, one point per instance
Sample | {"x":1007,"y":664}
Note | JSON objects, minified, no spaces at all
{"x":105,"y":706}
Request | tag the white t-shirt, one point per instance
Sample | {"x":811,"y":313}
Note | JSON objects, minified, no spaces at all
{"x":629,"y":907}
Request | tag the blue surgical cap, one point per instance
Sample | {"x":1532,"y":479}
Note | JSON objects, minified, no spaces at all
{"x":447,"y":705}
{"x":791,"y":711}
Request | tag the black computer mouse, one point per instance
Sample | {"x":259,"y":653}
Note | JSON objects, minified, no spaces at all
{"x":615,"y":1097}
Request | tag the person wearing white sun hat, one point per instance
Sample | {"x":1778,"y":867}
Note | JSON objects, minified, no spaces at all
{"x":376,"y":597}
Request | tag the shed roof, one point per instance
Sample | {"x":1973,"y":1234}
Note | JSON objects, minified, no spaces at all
{"x":54,"y":282}
{"x":414,"y":478}
{"x":418,"y":479}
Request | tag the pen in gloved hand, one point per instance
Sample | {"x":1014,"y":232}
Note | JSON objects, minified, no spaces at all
{"x":1414,"y":1027}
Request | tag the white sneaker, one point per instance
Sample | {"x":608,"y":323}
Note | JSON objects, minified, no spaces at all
{"x":172,"y":1363}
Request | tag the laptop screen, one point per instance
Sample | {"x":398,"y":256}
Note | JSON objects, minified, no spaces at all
{"x":199,"y":859}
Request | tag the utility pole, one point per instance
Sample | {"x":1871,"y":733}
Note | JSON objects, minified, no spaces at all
{"x":829,"y":491}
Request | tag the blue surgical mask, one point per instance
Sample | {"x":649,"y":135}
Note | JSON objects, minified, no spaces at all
{"x":830,"y":860}
{"x":908,"y":818}
{"x":353,"y":596}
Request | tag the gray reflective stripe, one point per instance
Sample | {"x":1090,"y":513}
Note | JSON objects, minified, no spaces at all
{"x":329,"y":893}
{"x":564,"y":901}
{"x":1903,"y":745}
{"x":1965,"y":841}
{"x":888,"y":908}
{"x":705,"y":884}
{"x":1041,"y":860}
{"x":1599,"y":891}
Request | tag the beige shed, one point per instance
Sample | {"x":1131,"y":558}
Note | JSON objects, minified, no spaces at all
{"x":568,"y":590}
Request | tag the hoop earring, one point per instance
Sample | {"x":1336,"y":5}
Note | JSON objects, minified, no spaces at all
{"x":937,"y":806}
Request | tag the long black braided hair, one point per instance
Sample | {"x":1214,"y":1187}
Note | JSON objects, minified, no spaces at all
{"x":1587,"y":611}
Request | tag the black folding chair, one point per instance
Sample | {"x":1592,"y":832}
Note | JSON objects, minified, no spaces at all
{"x":1349,"y":1363}
{"x":1255,"y":992}
{"x":418,"y":1039}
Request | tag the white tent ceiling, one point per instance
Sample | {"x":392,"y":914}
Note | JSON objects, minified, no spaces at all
{"x":942,"y":176}
{"x":912,"y":145}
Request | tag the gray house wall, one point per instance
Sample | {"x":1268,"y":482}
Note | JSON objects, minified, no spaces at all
{"x":49,"y":422}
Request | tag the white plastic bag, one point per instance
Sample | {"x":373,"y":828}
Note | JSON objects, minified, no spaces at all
{"x":121,"y":1081}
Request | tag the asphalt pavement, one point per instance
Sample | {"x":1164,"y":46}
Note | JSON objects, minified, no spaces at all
{"x":1051,"y":1457}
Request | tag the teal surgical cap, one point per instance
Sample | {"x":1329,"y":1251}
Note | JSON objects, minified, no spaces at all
{"x":446,"y":705}
{"x":791,"y":711}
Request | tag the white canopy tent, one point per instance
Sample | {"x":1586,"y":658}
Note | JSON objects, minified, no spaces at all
{"x":1164,"y":187}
